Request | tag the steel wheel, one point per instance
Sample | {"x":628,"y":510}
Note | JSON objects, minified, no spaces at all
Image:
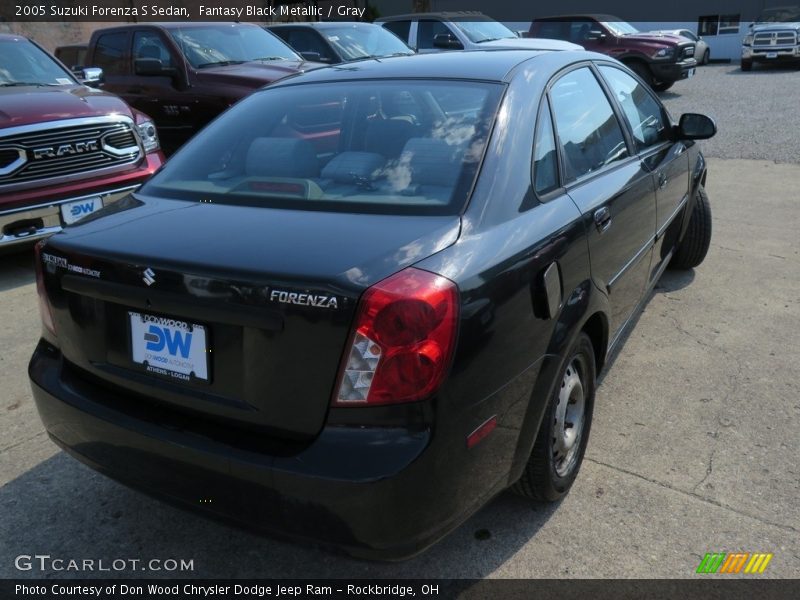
{"x":569,"y":418}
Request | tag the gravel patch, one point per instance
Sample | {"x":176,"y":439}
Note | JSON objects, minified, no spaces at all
{"x":757,"y":113}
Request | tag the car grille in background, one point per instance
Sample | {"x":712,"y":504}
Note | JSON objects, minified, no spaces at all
{"x":782,"y":38}
{"x":62,"y":150}
{"x":688,"y":52}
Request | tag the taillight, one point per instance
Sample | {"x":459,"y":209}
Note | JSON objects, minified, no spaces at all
{"x":403,"y":340}
{"x":45,"y":311}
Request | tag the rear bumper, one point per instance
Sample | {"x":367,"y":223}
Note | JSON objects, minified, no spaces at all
{"x":673,"y":71}
{"x":32,"y":215}
{"x":384,"y":493}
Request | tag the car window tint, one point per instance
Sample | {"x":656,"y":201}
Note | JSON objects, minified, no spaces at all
{"x":303,"y":40}
{"x":556,"y":30}
{"x":109,"y":53}
{"x":643,"y":112}
{"x":589,"y":133}
{"x":148,"y":44}
{"x":427,"y":30}
{"x":400,"y":28}
{"x":579,"y":30}
{"x":340,"y":146}
{"x":545,"y":163}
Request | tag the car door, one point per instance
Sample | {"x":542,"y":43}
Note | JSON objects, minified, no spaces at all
{"x":609,"y":184}
{"x":158,"y":95}
{"x":110,"y":53}
{"x":651,"y":129}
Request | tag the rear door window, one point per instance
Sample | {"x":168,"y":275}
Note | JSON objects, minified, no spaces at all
{"x":588,"y":130}
{"x":109,"y":53}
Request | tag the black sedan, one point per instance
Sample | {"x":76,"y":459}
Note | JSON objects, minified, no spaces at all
{"x":366,"y":300}
{"x":337,"y":42}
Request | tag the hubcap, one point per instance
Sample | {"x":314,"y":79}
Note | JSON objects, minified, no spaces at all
{"x":569,"y":420}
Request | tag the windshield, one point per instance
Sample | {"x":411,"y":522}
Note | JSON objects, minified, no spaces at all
{"x":402,"y":147}
{"x":214,"y":45}
{"x":484,"y":31}
{"x":784,"y":14}
{"x":363,"y":41}
{"x":24,"y":63}
{"x":620,"y":27}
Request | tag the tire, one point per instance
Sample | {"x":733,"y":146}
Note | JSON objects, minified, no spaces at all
{"x":746,"y":65}
{"x":663,"y":86}
{"x":552,"y":467}
{"x":642,"y":70}
{"x":706,"y":57}
{"x":694,"y":246}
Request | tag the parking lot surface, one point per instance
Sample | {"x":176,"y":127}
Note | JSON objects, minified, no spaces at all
{"x":694,"y":444}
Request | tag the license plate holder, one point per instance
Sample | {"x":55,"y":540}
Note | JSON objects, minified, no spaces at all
{"x":72,"y":212}
{"x":772,"y":55}
{"x":169,"y":347}
{"x":690,"y":73}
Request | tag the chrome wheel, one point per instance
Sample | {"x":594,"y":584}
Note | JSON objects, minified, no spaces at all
{"x":569,"y":418}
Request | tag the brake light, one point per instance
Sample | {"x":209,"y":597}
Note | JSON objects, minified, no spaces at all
{"x":45,"y":311}
{"x":403,"y":340}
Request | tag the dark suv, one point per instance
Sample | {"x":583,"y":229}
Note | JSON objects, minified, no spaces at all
{"x":658,"y":59}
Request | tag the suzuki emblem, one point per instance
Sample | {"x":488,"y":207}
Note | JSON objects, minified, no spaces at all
{"x":148,"y":276}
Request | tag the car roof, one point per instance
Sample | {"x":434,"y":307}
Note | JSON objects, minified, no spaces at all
{"x":478,"y":65}
{"x":597,"y":17}
{"x":320,"y":24}
{"x":459,"y":15}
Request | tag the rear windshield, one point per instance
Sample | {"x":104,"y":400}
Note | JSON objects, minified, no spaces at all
{"x":407,"y":147}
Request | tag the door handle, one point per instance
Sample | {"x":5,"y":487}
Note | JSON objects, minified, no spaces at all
{"x":662,"y":181}
{"x":602,"y":218}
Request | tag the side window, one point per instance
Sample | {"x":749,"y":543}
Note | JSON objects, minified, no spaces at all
{"x":643,"y":112}
{"x":554,"y":30}
{"x":109,"y":53}
{"x":401,"y":29}
{"x":588,"y":131}
{"x":545,"y":163}
{"x":426,"y":32}
{"x":303,"y":40}
{"x":579,"y":30}
{"x":148,"y":44}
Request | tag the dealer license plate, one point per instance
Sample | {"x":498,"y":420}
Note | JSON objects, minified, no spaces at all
{"x":170,"y":347}
{"x":75,"y":211}
{"x":772,"y":55}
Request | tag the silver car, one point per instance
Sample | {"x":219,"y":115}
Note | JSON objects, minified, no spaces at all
{"x":701,"y":50}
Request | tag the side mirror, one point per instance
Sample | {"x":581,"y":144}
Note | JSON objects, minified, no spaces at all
{"x":91,"y":76}
{"x":312,"y":56}
{"x":152,"y":67}
{"x":596,"y":34}
{"x":447,"y":41}
{"x":693,"y":126}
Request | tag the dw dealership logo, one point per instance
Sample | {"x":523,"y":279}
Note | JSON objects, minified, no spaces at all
{"x":734,"y":562}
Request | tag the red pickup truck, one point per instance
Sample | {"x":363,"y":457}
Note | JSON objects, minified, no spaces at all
{"x":66,"y":149}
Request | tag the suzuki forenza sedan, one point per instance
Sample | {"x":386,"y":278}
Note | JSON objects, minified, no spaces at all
{"x":369,"y":298}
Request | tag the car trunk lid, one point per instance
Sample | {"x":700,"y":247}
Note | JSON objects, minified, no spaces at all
{"x":272,"y":293}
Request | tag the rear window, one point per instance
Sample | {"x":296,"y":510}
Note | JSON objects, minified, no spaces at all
{"x":405,"y":147}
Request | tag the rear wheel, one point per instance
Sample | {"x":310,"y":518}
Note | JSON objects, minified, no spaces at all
{"x":706,"y":57}
{"x":663,"y":86}
{"x":561,"y":442}
{"x":746,"y":65}
{"x":694,"y":246}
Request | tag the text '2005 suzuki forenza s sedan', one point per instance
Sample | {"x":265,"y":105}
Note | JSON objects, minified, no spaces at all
{"x":367,"y":299}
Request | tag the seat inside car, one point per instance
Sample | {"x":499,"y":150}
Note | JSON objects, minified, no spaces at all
{"x":282,"y":157}
{"x":388,"y":137}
